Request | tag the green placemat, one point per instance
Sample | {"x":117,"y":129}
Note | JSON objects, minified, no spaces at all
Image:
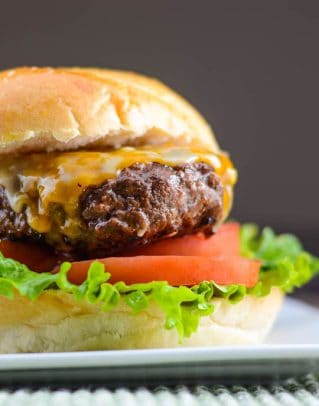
{"x":304,"y":391}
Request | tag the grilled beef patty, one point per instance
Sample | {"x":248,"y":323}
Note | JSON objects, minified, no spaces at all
{"x":144,"y":203}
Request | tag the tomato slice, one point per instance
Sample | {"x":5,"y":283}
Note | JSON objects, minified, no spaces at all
{"x":186,"y":261}
{"x":176,"y":270}
{"x":34,"y":256}
{"x":225,"y":242}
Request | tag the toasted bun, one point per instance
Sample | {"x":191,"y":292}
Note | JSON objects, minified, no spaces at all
{"x":57,"y":322}
{"x":45,"y":109}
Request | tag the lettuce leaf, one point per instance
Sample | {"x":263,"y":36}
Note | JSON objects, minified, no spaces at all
{"x":284,"y":264}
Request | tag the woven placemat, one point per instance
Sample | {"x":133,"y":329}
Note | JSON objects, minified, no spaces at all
{"x":303,"y":391}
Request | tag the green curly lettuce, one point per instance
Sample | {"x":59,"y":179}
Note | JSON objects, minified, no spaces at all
{"x":284,"y":264}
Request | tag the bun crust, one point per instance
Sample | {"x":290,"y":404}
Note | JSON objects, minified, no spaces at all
{"x":57,"y":322}
{"x":45,"y":109}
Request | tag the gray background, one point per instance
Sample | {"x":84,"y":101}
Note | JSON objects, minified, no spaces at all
{"x":250,"y":67}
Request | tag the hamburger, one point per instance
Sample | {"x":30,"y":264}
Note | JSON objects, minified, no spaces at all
{"x":114,"y":199}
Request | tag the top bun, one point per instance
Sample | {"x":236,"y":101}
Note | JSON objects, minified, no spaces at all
{"x":46,"y":109}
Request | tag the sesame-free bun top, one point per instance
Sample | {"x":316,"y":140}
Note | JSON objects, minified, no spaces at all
{"x":46,"y":109}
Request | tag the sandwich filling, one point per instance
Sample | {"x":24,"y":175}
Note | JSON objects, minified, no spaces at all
{"x":94,"y":204}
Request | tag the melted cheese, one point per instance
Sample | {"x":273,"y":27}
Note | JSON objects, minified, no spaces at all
{"x":36,"y":182}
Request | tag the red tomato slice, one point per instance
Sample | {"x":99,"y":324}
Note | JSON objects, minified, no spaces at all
{"x":34,"y":256}
{"x":176,"y":270}
{"x":225,"y":242}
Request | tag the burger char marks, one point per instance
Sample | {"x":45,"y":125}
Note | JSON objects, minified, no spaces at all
{"x":151,"y":201}
{"x":13,"y":225}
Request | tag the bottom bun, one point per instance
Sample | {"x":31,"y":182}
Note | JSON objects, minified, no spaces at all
{"x":57,"y":322}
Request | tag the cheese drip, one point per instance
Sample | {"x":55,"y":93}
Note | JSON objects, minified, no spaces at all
{"x":37,"y":182}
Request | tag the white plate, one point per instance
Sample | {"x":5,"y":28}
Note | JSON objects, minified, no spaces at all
{"x":292,"y":349}
{"x":298,"y":323}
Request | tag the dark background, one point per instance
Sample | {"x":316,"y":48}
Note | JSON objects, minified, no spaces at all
{"x":250,"y":67}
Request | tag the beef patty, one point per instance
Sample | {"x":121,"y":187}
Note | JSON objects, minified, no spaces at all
{"x":145,"y":202}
